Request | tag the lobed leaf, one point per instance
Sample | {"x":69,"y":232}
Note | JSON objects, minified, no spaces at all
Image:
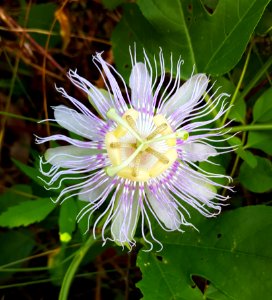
{"x":228,"y":253}
{"x":213,"y":43}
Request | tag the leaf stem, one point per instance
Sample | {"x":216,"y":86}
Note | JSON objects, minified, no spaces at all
{"x":238,"y":85}
{"x":250,"y":127}
{"x":19,"y":117}
{"x":258,"y":75}
{"x":37,"y":269}
{"x":235,"y":163}
{"x":70,"y":273}
{"x":20,"y":284}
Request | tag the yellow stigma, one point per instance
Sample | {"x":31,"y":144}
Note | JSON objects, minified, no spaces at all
{"x":136,"y":156}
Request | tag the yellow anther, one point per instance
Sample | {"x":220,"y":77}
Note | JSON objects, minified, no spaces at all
{"x":160,"y":119}
{"x":115,"y":145}
{"x":123,"y":125}
{"x":161,"y":157}
{"x":113,"y":170}
{"x":119,"y":145}
{"x":160,"y":167}
{"x":131,"y":122}
{"x":130,"y":151}
{"x":137,"y":161}
{"x":157,"y":131}
{"x":114,"y":153}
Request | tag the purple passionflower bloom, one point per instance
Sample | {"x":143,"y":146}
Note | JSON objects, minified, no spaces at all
{"x":141,"y":149}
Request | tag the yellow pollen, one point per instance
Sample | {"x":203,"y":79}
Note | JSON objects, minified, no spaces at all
{"x":137,"y":157}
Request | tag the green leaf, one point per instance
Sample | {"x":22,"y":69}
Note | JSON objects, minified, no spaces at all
{"x":260,"y":140}
{"x":112,"y":4}
{"x":41,"y":16}
{"x":14,"y":245}
{"x":15,"y":195}
{"x":258,"y":179}
{"x":238,"y":110}
{"x":218,"y":166}
{"x":67,"y":220}
{"x":31,"y":172}
{"x":129,"y":31}
{"x":262,"y":110}
{"x":265,"y":24}
{"x":26,"y":213}
{"x":213,"y":43}
{"x":84,"y":223}
{"x":231,"y":252}
{"x":244,"y":154}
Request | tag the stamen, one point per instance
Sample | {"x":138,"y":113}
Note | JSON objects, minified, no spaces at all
{"x":161,"y":157}
{"x":157,"y":131}
{"x":135,"y":171}
{"x":131,"y":122}
{"x":130,"y":164}
{"x":122,"y":145}
{"x":111,"y":171}
{"x":182,"y":134}
{"x":112,"y":114}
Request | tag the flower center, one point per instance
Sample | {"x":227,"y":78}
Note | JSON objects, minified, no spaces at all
{"x":141,"y":147}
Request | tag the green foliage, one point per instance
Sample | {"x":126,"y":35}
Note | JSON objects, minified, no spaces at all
{"x":67,"y":220}
{"x":18,"y":194}
{"x":14,"y":246}
{"x":262,"y":113}
{"x":112,"y":4}
{"x":31,"y":172}
{"x":246,"y":155}
{"x":228,"y":252}
{"x":265,"y":24}
{"x":260,"y":140}
{"x":262,"y":110}
{"x":211,"y":42}
{"x":230,"y":40}
{"x":41,"y":17}
{"x":26,"y":213}
{"x":259,"y":178}
{"x":237,"y":112}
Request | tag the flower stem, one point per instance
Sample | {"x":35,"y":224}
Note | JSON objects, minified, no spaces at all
{"x":70,"y":273}
{"x":250,"y":127}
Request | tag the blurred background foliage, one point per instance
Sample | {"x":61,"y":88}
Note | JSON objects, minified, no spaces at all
{"x":231,"y":40}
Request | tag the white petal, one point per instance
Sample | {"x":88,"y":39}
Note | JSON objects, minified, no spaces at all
{"x":166,"y":211}
{"x":125,"y":221}
{"x":140,"y":84}
{"x":92,"y":193}
{"x":197,"y":151}
{"x":187,"y":95}
{"x":75,"y":122}
{"x":69,"y":156}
